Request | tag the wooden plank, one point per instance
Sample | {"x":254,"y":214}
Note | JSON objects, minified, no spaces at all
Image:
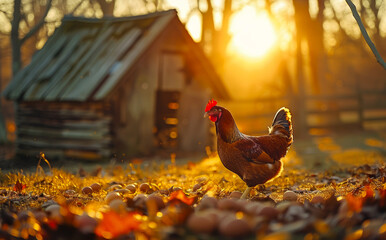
{"x":65,"y":54}
{"x":128,"y":61}
{"x":84,"y":88}
{"x":81,"y":66}
{"x":37,"y":68}
{"x":41,"y":82}
{"x":64,"y":106}
{"x":89,"y":69}
{"x":62,"y":144}
{"x":86,"y":134}
{"x":63,"y":114}
{"x":11,"y":90}
{"x":50,"y":123}
{"x":56,"y":80}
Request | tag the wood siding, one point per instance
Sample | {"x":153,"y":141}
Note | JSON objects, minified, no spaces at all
{"x":63,"y":130}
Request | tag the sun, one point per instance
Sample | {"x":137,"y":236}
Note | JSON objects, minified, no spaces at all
{"x":253,"y":34}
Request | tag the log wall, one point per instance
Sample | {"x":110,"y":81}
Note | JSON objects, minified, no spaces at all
{"x":63,"y":130}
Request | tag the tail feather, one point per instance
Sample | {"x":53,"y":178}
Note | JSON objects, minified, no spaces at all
{"x":282,"y":124}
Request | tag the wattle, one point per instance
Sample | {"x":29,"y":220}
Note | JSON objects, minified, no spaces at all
{"x":213,"y":118}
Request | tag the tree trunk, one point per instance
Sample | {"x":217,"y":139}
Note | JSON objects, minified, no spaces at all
{"x":215,"y":42}
{"x":15,"y":40}
{"x":311,"y":30}
{"x":107,"y":7}
{"x":299,"y":100}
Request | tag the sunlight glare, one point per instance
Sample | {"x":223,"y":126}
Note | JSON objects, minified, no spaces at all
{"x":253,"y":33}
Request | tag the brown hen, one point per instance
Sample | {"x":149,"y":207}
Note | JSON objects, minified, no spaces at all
{"x":255,"y":159}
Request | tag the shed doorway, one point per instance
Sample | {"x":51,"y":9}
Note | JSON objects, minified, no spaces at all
{"x":172,"y":79}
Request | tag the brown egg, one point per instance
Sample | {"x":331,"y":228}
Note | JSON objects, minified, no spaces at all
{"x":117,"y":205}
{"x":229,"y":204}
{"x":87,"y":190}
{"x":54,"y":212}
{"x":201,"y":223}
{"x":283,"y":206}
{"x":295,"y":212}
{"x":234,"y":227}
{"x":111,"y":196}
{"x":317,"y":200}
{"x":207,"y":202}
{"x":201,"y":179}
{"x":53,"y":208}
{"x":132,"y":188}
{"x":144,"y":187}
{"x":115,"y":187}
{"x":139,"y":197}
{"x":215,"y":214}
{"x":197,"y":186}
{"x":290,"y":196}
{"x":156,"y":201}
{"x":253,"y":208}
{"x":96,"y":187}
{"x":122,"y":191}
{"x":40,"y":216}
{"x":343,"y":208}
{"x":140,"y":201}
{"x":235,"y":194}
{"x":268,"y":212}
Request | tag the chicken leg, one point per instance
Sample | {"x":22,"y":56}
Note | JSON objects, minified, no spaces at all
{"x":246,"y":193}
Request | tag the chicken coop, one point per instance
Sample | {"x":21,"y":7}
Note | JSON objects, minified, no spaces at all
{"x":119,"y":87}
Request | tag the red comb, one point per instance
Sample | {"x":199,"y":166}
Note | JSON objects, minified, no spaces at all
{"x":210,"y":104}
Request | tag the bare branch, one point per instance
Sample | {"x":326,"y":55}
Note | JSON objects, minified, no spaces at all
{"x":6,"y":14}
{"x":76,"y":7}
{"x":39,"y":24}
{"x":365,"y":34}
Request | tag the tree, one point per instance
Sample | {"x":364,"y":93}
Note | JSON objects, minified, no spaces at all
{"x":16,"y":40}
{"x":216,"y":41}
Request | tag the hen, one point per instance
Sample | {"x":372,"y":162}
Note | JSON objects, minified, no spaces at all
{"x":255,"y":160}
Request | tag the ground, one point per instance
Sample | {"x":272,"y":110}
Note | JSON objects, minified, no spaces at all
{"x":331,"y":188}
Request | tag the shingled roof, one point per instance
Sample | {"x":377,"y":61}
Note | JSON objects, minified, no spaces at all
{"x":86,"y":58}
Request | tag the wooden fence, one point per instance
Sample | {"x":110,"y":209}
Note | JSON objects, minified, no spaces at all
{"x":315,"y":115}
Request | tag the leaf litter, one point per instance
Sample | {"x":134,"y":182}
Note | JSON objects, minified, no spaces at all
{"x":192,"y":201}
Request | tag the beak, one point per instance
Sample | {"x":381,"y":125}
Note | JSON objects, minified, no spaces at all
{"x":206,"y":114}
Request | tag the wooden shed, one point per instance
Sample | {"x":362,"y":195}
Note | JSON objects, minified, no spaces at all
{"x":119,"y":87}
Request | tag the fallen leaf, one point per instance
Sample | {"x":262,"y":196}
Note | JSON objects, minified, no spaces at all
{"x":181,"y":196}
{"x":19,"y":186}
{"x":354,"y":203}
{"x":114,"y":224}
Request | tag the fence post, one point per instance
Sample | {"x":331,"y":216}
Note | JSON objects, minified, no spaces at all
{"x":299,"y":111}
